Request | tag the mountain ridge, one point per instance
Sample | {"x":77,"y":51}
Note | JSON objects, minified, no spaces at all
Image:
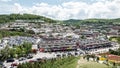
{"x":5,"y":18}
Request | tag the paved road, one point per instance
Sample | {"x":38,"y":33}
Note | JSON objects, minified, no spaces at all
{"x":35,"y":56}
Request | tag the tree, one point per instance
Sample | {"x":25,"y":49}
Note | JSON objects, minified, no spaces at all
{"x":28,"y":47}
{"x":82,"y":37}
{"x":88,"y":56}
{"x":30,"y":31}
{"x":12,"y":52}
{"x":97,"y":59}
{"x":77,"y":26}
{"x":4,"y":53}
{"x":18,"y":51}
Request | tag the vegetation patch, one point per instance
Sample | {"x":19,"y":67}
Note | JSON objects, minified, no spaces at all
{"x":6,"y":33}
{"x":67,"y":62}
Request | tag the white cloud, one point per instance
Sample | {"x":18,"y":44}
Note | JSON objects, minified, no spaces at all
{"x":73,"y":10}
{"x":5,"y":0}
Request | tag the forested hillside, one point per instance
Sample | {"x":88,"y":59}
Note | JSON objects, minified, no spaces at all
{"x":12,"y":17}
{"x":5,"y":18}
{"x":92,"y":21}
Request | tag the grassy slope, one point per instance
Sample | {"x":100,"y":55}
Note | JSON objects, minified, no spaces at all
{"x":83,"y":63}
{"x":4,"y":33}
{"x":71,"y":64}
{"x":94,"y":65}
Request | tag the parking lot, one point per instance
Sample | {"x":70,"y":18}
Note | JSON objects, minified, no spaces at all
{"x":39,"y":55}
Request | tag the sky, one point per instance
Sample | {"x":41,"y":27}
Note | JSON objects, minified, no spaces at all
{"x":63,"y":9}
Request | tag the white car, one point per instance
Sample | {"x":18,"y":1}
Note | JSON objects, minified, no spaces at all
{"x":22,"y":58}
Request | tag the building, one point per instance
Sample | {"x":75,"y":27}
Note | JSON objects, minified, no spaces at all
{"x":54,"y":45}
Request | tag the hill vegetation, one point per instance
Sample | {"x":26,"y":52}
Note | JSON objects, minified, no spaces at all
{"x":91,"y":21}
{"x":12,"y":17}
{"x":4,"y":18}
{"x":69,"y":62}
{"x":15,"y":52}
{"x":116,"y":39}
{"x":5,"y":33}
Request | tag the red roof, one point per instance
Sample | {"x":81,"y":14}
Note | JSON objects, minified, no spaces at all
{"x":114,"y":57}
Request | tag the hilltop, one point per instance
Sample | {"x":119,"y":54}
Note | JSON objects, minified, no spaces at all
{"x":5,"y":18}
{"x":91,"y":21}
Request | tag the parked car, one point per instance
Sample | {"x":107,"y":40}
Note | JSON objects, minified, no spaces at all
{"x":58,"y":55}
{"x":29,"y":56}
{"x":10,"y":60}
{"x":11,"y":67}
{"x":32,"y":61}
{"x":69,"y":54}
{"x":22,"y":58}
{"x":39,"y":59}
{"x":76,"y":53}
{"x":14,"y":64}
{"x":63,"y":55}
{"x":1,"y":64}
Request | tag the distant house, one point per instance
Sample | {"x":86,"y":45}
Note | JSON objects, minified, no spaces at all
{"x":113,"y":58}
{"x":19,"y":25}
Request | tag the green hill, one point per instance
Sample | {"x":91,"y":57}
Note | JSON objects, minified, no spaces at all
{"x":92,"y":21}
{"x":5,"y":18}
